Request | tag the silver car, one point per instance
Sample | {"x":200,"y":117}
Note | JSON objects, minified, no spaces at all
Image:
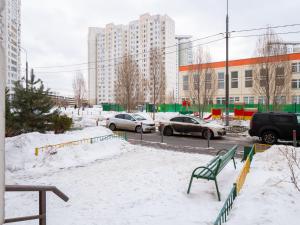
{"x":192,"y":125}
{"x":130,"y":121}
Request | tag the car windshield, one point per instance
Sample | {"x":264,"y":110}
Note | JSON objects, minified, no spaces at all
{"x":138,"y":117}
{"x":200,"y":121}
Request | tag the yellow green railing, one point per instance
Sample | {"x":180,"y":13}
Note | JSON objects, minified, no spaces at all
{"x":245,"y":170}
{"x":261,"y":147}
{"x":223,"y":215}
{"x":115,"y":135}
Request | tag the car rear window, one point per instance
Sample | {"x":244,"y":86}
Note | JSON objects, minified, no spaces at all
{"x":298,"y":118}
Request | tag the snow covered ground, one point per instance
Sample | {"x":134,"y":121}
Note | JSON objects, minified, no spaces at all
{"x":116,"y":183}
{"x":20,"y":149}
{"x":112,"y":182}
{"x":268,"y":197}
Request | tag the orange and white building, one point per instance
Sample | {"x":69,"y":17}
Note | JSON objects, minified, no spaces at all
{"x":241,"y":81}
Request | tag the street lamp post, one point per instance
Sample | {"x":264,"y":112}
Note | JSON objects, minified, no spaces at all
{"x":227,"y":72}
{"x":26,"y":70}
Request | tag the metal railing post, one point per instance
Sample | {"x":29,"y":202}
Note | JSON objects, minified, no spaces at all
{"x":294,"y":138}
{"x":141,"y":131}
{"x":42,"y":207}
{"x":208,"y":139}
{"x":162,"y":132}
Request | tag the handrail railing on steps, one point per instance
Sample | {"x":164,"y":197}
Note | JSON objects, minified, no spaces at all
{"x":42,"y":201}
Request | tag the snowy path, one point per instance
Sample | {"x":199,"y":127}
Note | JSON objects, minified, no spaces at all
{"x":139,"y":186}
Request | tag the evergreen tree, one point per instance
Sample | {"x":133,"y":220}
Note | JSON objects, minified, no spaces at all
{"x":10,"y":128}
{"x":31,"y":107}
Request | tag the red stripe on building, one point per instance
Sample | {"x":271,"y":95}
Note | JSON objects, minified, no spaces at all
{"x":241,"y":62}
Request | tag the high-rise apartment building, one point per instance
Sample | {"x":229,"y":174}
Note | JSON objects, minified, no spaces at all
{"x":107,"y":46}
{"x":10,"y":32}
{"x":184,"y":56}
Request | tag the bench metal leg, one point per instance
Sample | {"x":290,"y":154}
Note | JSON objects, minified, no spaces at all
{"x":234,"y":163}
{"x":188,"y":191}
{"x":219,"y":198}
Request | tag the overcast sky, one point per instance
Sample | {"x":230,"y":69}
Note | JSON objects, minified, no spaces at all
{"x":54,"y":32}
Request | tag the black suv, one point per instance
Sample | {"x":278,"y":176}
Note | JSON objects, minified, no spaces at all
{"x":272,"y":126}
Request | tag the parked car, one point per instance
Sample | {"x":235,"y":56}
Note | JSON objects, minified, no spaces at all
{"x":272,"y":126}
{"x":130,"y":121}
{"x":193,"y":126}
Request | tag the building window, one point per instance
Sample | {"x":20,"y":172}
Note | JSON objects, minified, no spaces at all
{"x":261,"y":99}
{"x":248,"y":78}
{"x":234,"y":79}
{"x":280,"y":99}
{"x":249,"y":100}
{"x":233,"y":100}
{"x":296,"y":99}
{"x":185,"y":83}
{"x":263,"y":77}
{"x":207,"y":81}
{"x":221,"y":100}
{"x":279,"y":79}
{"x":196,"y":81}
{"x":296,"y":67}
{"x":295,"y":83}
{"x":221,"y":81}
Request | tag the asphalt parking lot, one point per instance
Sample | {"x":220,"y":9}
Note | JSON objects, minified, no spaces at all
{"x":191,"y":144}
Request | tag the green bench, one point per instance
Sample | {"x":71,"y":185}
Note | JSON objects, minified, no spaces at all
{"x":214,"y":167}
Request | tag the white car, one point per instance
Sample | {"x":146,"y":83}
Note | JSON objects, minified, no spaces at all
{"x":192,"y":125}
{"x":130,"y":121}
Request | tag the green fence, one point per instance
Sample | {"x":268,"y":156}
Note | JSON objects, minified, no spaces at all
{"x":207,"y":108}
{"x":112,"y":107}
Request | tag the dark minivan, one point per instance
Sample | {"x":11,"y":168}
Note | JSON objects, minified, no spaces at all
{"x":271,"y":126}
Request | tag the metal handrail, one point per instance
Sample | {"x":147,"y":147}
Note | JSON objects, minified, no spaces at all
{"x":42,"y":201}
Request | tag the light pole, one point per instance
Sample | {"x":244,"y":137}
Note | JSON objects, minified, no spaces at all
{"x":227,"y":72}
{"x":26,"y":70}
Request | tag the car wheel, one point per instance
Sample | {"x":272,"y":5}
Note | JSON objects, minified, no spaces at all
{"x":269,"y":137}
{"x":206,"y":132}
{"x":168,"y":131}
{"x":138,"y":129}
{"x":112,"y":126}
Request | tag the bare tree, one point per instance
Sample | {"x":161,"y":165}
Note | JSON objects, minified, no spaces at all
{"x":293,"y":162}
{"x":157,"y":78}
{"x":130,"y":84}
{"x":203,"y":81}
{"x":79,"y":88}
{"x":272,"y":73}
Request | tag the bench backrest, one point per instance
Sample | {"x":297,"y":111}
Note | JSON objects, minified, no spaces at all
{"x":224,"y":159}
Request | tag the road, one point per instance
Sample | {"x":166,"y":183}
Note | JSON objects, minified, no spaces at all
{"x":191,"y":144}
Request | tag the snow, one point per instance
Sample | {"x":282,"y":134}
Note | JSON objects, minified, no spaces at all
{"x":20,"y":149}
{"x":113,"y":182}
{"x":267,"y":196}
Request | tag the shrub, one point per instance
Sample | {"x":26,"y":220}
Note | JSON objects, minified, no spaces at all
{"x":61,"y":123}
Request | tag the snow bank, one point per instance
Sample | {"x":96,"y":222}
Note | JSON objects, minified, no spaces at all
{"x":267,"y":197}
{"x":20,"y":149}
